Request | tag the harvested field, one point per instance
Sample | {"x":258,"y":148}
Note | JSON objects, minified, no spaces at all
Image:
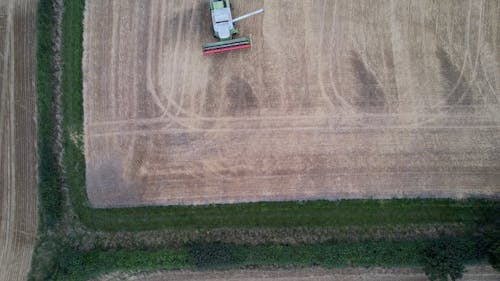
{"x":18,"y":185}
{"x":337,"y":99}
{"x":477,"y":273}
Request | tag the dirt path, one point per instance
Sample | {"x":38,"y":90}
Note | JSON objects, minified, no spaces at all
{"x":18,"y":189}
{"x":337,"y":99}
{"x":377,"y":274}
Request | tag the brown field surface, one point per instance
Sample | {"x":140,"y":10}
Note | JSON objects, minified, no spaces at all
{"x":18,"y":185}
{"x":337,"y":99}
{"x":477,"y":273}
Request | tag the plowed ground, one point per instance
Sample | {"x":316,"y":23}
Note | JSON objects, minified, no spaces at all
{"x":18,"y":185}
{"x":337,"y":99}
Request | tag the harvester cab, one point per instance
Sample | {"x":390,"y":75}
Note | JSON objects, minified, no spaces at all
{"x":223,"y":27}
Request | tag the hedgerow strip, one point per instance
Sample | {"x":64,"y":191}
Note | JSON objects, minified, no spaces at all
{"x":219,"y":256}
{"x":48,"y":173}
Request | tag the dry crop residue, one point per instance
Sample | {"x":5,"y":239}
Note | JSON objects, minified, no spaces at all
{"x":18,"y":185}
{"x":476,"y":273}
{"x":337,"y":99}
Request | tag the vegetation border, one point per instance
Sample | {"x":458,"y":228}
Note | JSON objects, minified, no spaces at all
{"x":219,"y":256}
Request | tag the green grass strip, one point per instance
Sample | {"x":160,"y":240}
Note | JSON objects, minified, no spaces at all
{"x":289,"y":214}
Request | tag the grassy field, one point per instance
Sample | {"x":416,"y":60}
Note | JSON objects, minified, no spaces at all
{"x":288,"y":214}
{"x":77,"y":263}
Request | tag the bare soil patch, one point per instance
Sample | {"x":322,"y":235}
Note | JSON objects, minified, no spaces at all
{"x":337,"y":99}
{"x":18,"y":185}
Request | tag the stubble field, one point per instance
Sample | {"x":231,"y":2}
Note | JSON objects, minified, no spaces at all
{"x":337,"y":99}
{"x":18,"y":184}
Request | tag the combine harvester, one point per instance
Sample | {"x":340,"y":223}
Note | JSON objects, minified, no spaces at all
{"x":223,"y":26}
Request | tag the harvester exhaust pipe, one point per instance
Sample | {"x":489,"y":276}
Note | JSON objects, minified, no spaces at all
{"x":248,"y":15}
